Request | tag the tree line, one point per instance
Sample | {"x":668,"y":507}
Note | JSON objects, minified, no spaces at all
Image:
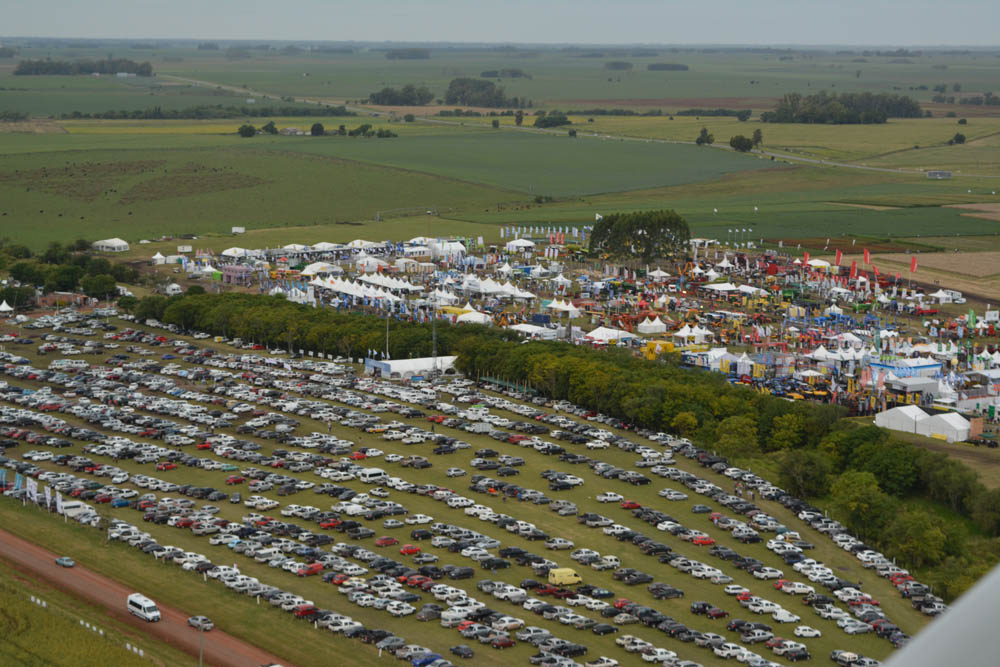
{"x":844,"y":108}
{"x":739,"y":114}
{"x":407,"y":96}
{"x":506,"y":73}
{"x":106,"y":66}
{"x":63,"y":268}
{"x":208,"y":111}
{"x":479,"y":93}
{"x":273,"y":321}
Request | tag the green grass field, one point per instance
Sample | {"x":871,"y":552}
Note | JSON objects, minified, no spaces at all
{"x":33,"y":635}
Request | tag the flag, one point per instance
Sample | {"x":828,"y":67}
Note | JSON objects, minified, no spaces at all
{"x":913,"y":264}
{"x":868,"y":257}
{"x":853,"y":241}
{"x":59,"y":507}
{"x":875,"y":270}
{"x":48,"y":496}
{"x":805,"y":257}
{"x":854,"y":269}
{"x":839,"y":257}
{"x":598,"y":217}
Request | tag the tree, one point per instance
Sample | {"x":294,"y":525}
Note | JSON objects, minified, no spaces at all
{"x":684,"y":423}
{"x":101,"y":286}
{"x":572,"y":133}
{"x":786,"y":432}
{"x":893,"y":463}
{"x":985,"y":509}
{"x":740,"y":143}
{"x":409,"y":118}
{"x":917,"y":536}
{"x":127,"y":303}
{"x":495,"y":124}
{"x":643,"y":235}
{"x":269,"y":127}
{"x":736,"y":437}
{"x":805,"y":473}
{"x":758,"y":138}
{"x":705,"y":138}
{"x":552,"y":119}
{"x":859,"y":502}
{"x":246,"y":131}
{"x":963,"y":121}
{"x":195,"y":289}
{"x":959,"y":138}
{"x":519,"y":118}
{"x":317,"y":130}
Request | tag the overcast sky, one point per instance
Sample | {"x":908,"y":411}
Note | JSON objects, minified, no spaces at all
{"x":823,"y":22}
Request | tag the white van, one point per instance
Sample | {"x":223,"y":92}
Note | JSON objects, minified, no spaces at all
{"x":143,"y":607}
{"x":372,"y":475}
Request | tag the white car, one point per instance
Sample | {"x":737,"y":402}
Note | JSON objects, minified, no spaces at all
{"x":735,"y":589}
{"x":768,"y":573}
{"x":672,"y":494}
{"x":454,"y":472}
{"x":806,"y":631}
{"x":418,"y":519}
{"x":784,"y":616}
{"x":659,"y":655}
{"x":597,"y":444}
{"x":728,"y":650}
{"x":797,"y":588}
{"x":610,"y":497}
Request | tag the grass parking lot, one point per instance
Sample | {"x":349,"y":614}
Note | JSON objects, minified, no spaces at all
{"x":303,"y":645}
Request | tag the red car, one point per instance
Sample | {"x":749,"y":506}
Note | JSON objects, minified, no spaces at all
{"x":409,"y":549}
{"x":385,"y":541}
{"x":437,"y":419}
{"x":103,"y":498}
{"x":310,"y":570}
{"x":703,"y":541}
{"x":744,"y":596}
{"x":235,"y":479}
{"x":185,"y":523}
{"x":716,"y":612}
{"x":502,"y":642}
{"x":338,"y":579}
{"x":780,"y":582}
{"x":621,"y":602}
{"x":774,"y":642}
{"x":166,"y":465}
{"x":203,"y":445}
{"x":304,"y":610}
{"x":358,"y":456}
{"x":416,"y":580}
{"x":330,"y":523}
{"x":630,"y":505}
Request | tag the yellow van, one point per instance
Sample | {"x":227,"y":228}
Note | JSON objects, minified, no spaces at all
{"x":564,"y":576}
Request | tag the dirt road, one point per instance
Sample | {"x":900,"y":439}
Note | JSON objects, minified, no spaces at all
{"x":220,"y":648}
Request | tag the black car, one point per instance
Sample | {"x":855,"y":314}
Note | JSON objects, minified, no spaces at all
{"x":604,"y":629}
{"x":797,"y":654}
{"x":462,"y":651}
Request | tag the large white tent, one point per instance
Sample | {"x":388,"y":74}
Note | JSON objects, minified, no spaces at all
{"x":902,"y":418}
{"x":474,"y":317}
{"x":651,"y":326}
{"x":949,"y":426}
{"x":519,"y":245}
{"x":111,"y":245}
{"x":606,"y":335}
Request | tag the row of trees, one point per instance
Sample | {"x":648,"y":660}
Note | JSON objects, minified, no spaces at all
{"x":479,"y":93}
{"x":845,"y":108}
{"x":641,"y":236}
{"x":318,"y":130}
{"x":745,"y":144}
{"x":64,"y":268}
{"x":207,"y":111}
{"x":506,"y":73}
{"x":407,"y":96}
{"x":738,"y":114}
{"x":106,"y":66}
{"x":273,"y":321}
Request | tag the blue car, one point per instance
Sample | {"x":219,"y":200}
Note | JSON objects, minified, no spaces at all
{"x":425,"y":659}
{"x":119,"y":502}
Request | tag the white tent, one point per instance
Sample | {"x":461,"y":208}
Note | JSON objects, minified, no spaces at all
{"x":941,"y":296}
{"x":722,"y":287}
{"x":658,"y":274}
{"x":651,"y":326}
{"x":475,"y":318}
{"x":235,"y":252}
{"x":606,"y":335}
{"x":534,"y":331}
{"x":5,"y":308}
{"x":172,"y":289}
{"x":325,"y":246}
{"x":818,"y":264}
{"x":361,"y":243}
{"x":505,"y":269}
{"x":901,"y":418}
{"x":317,"y":268}
{"x":111,"y":245}
{"x":519,"y":245}
{"x":564,"y":307}
{"x":949,"y":426}
{"x":159,"y":259}
{"x":561,"y":281}
{"x":724,"y":264}
{"x":295,"y":247}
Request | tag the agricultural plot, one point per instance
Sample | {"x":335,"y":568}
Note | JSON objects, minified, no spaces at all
{"x":298,"y":641}
{"x":541,"y":164}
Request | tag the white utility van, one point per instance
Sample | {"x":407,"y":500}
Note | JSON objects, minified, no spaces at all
{"x":372,"y":475}
{"x":143,"y":607}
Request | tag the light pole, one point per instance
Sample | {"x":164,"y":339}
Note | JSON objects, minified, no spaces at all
{"x":201,"y":646}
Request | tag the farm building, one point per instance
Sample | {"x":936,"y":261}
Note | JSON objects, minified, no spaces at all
{"x":111,"y":245}
{"x":172,"y":289}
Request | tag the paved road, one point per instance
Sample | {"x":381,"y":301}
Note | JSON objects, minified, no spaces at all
{"x":220,"y":648}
